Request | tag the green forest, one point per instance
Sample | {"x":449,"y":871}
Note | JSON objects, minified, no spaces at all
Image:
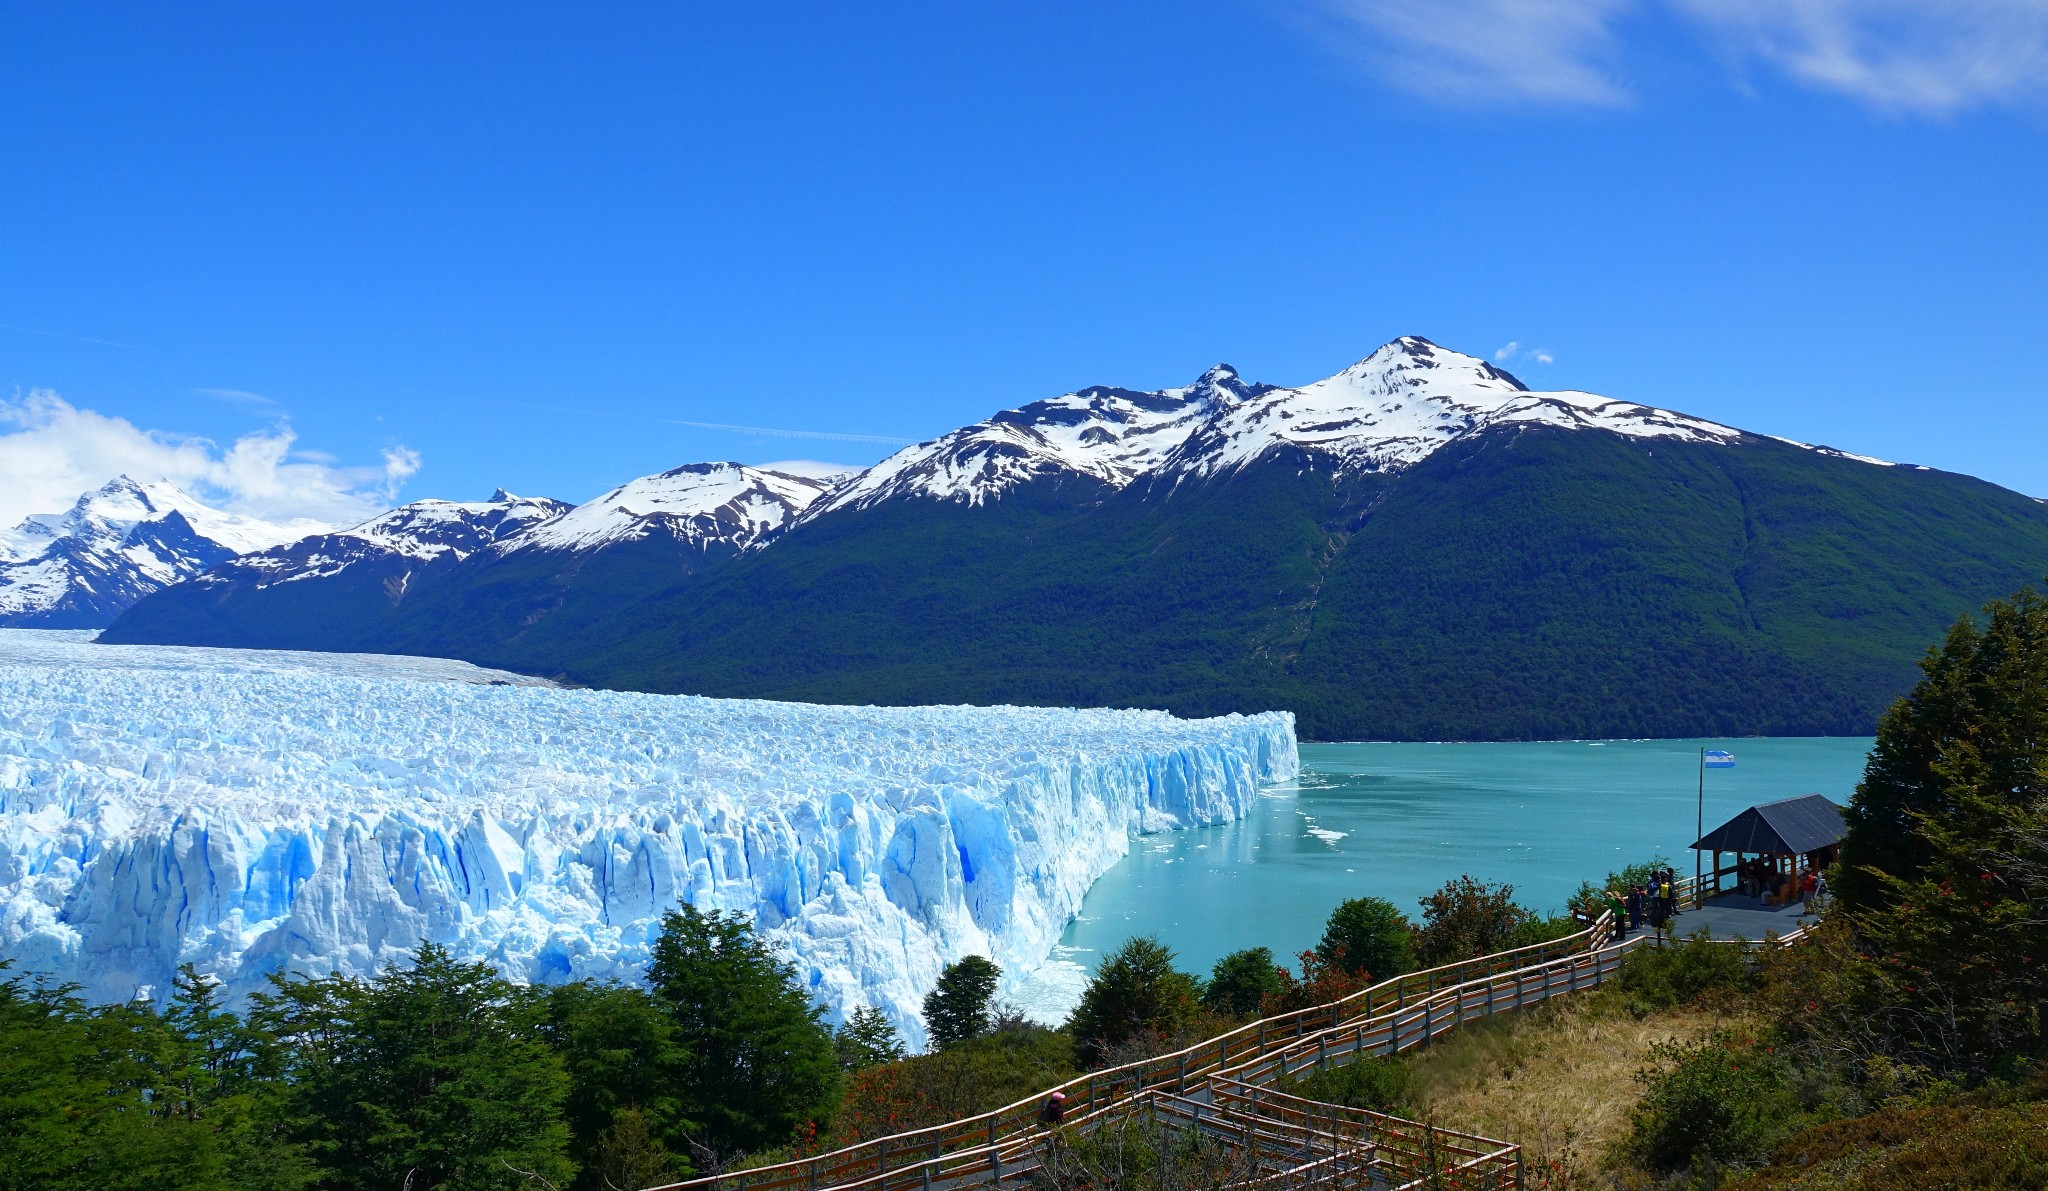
{"x":1521,"y":584}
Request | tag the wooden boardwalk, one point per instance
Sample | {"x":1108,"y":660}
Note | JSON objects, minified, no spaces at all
{"x":1223,"y":1089}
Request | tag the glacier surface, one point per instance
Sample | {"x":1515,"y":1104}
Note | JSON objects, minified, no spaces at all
{"x":250,"y":817}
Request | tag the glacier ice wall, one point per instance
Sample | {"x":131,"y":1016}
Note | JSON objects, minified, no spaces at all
{"x":254,"y":821}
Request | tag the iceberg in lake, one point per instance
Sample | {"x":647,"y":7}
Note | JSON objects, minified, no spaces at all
{"x":160,"y":806}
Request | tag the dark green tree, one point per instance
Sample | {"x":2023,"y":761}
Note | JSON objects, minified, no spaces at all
{"x":1945,"y":869}
{"x":1369,"y":936}
{"x":221,"y":1070}
{"x":1136,"y":993}
{"x":95,"y":1098}
{"x":866,"y":1039}
{"x":1974,"y":725}
{"x":1467,"y":918}
{"x":625,"y":1067}
{"x":429,"y":1076}
{"x":761,"y":1060}
{"x":958,"y":1008}
{"x":1241,"y":980}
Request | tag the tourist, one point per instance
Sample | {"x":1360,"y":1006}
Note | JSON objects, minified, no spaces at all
{"x":1619,"y":912}
{"x":1667,"y":898}
{"x":1807,"y":884}
{"x":1055,"y":1110}
{"x":1635,"y":906}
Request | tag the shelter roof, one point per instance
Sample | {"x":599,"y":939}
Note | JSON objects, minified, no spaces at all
{"x":1789,"y":825}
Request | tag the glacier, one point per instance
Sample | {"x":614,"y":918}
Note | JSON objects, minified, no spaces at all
{"x":312,"y":813}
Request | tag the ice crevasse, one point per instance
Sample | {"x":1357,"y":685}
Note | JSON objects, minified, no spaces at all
{"x":251,"y":823}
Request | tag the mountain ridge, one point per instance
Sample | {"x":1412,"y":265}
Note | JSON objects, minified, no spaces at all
{"x":116,"y":544}
{"x":1582,"y":566}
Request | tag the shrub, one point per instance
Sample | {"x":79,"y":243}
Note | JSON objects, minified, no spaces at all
{"x":1372,"y":1082}
{"x":1985,"y":1149}
{"x":1665,"y":977}
{"x":1467,"y":918}
{"x":1321,"y":982}
{"x":1723,"y":1102}
{"x":1544,"y":930}
{"x":998,"y":1068}
{"x":1241,"y":981}
{"x":1369,"y":936}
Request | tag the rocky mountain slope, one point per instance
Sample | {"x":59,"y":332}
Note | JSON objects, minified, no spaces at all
{"x":500,"y":566}
{"x":1416,"y":547}
{"x":124,"y":540}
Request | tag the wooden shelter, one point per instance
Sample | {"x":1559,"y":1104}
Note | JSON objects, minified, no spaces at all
{"x":1775,"y":844}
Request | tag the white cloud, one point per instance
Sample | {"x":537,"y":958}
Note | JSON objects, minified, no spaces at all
{"x":1484,"y":51}
{"x":1507,"y":350}
{"x":1542,"y":357}
{"x":1916,"y":57}
{"x":53,"y":451}
{"x":1923,"y":57}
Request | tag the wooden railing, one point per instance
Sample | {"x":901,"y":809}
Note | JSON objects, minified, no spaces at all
{"x":914,"y":1151}
{"x":1387,"y":1018}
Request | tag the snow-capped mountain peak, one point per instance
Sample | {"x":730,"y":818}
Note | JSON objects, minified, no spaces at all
{"x":1109,"y":434}
{"x":423,"y":533}
{"x":1405,"y":401}
{"x":121,"y":541}
{"x":700,"y":503}
{"x":1391,"y":409}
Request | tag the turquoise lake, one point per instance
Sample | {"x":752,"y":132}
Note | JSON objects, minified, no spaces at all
{"x":1398,"y":820}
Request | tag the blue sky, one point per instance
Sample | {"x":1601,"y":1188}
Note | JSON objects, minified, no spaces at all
{"x":321,"y":261}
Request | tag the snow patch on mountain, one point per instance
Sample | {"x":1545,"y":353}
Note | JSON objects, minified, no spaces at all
{"x":423,"y":533}
{"x":1404,"y":402}
{"x":118,"y":543}
{"x":251,"y":822}
{"x":1389,"y":411}
{"x":1112,"y":435}
{"x":702,"y":502}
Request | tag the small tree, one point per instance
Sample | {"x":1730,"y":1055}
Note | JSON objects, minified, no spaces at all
{"x":866,"y":1039}
{"x":1136,"y":992}
{"x":1467,"y":918}
{"x":1369,"y":936}
{"x":1241,"y":981}
{"x":958,"y":1008}
{"x":760,"y":1059}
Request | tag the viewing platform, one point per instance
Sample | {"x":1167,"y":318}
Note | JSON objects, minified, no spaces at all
{"x":1734,"y":916}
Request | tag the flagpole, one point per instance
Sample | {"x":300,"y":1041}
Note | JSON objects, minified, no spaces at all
{"x":1699,"y":826}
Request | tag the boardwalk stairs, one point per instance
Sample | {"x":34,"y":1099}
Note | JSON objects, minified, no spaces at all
{"x":1223,"y":1090}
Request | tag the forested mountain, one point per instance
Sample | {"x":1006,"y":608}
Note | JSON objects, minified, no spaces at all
{"x":1417,"y":547}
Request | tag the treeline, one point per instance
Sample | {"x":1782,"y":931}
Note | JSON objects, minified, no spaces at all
{"x":442,"y":1074}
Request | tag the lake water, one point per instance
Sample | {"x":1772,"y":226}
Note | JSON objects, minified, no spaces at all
{"x":1398,"y":820}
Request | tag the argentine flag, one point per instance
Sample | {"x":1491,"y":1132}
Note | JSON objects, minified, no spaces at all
{"x":1717,"y":759}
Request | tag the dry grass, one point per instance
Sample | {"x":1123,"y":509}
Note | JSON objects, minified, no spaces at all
{"x":1559,"y":1079}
